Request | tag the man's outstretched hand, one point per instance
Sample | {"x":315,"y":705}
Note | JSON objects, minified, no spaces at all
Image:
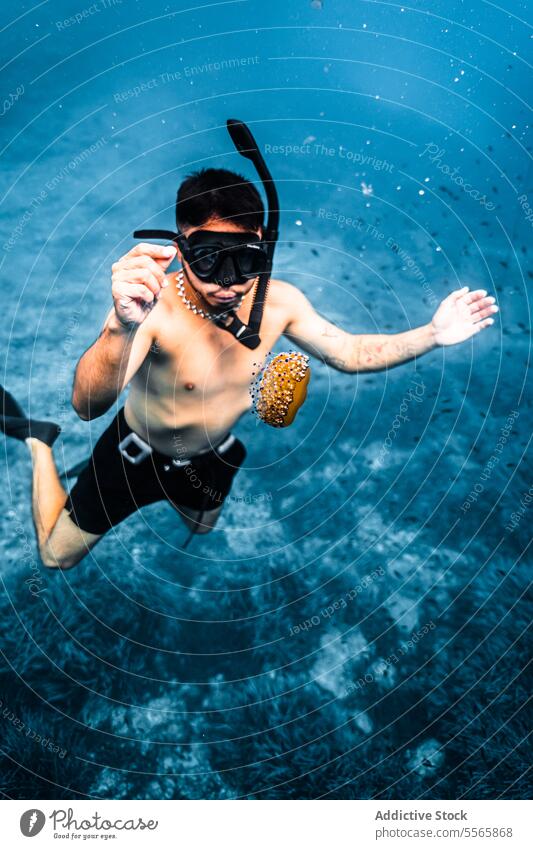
{"x":461,"y":315}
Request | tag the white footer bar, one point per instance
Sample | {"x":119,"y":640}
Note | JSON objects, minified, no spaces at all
{"x":280,"y":824}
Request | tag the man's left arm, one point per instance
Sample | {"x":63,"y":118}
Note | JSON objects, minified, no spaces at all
{"x":461,"y":315}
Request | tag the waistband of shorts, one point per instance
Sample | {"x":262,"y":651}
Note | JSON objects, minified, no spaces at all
{"x":127,"y":433}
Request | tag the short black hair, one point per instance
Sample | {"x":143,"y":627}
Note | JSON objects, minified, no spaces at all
{"x":217,"y":193}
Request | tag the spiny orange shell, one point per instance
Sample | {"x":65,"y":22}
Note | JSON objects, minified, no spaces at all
{"x":281,"y":388}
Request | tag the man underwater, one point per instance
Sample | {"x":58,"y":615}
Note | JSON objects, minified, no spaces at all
{"x":165,"y":337}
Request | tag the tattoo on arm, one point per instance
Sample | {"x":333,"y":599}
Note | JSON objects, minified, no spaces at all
{"x":330,"y":331}
{"x":336,"y":362}
{"x":340,"y":359}
{"x":359,"y":354}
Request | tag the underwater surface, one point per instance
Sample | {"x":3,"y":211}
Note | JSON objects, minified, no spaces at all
{"x":357,"y":624}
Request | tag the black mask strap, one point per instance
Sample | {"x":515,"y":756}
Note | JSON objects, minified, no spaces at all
{"x":239,"y":330}
{"x":231,"y":322}
{"x":168,"y":235}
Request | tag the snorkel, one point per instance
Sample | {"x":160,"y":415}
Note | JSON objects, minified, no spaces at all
{"x":245,"y":143}
{"x":246,"y":334}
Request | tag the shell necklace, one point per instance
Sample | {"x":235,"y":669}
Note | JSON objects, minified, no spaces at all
{"x":180,"y":286}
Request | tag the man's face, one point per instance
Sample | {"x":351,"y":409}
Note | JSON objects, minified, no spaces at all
{"x":215,"y":295}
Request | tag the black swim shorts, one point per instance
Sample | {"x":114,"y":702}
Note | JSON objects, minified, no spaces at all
{"x":111,"y":487}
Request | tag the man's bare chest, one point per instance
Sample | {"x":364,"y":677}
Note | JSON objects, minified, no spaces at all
{"x":203,"y":367}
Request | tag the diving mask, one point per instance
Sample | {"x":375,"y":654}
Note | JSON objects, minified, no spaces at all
{"x":224,"y":258}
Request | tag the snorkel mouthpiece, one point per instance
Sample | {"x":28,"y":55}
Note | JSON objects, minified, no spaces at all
{"x":247,"y":335}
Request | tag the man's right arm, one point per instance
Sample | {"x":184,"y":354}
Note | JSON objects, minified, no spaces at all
{"x":110,"y":363}
{"x":107,"y":367}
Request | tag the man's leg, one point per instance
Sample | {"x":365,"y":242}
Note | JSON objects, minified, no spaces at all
{"x":222,"y":470}
{"x":201,"y":522}
{"x":61,"y":543}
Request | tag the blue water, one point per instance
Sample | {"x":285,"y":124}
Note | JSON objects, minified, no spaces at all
{"x":356,"y":626}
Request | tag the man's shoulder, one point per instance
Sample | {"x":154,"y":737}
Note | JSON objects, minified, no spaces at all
{"x":287,"y":297}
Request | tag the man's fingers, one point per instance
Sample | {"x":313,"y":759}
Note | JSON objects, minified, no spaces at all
{"x":161,"y":252}
{"x":135,"y":291}
{"x":483,"y":308}
{"x":140,"y":262}
{"x":481,"y":303}
{"x":152,"y":265}
{"x":480,"y":325}
{"x":476,"y":295}
{"x":160,"y":255}
{"x":459,"y":293}
{"x":125,"y":278}
{"x":122,"y":286}
{"x":485,"y":313}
